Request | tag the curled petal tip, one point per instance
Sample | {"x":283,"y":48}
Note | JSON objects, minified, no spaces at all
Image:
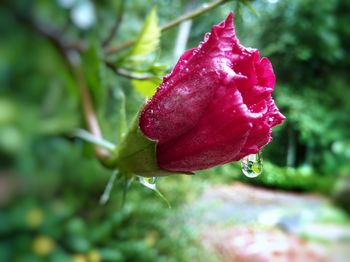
{"x":228,"y":22}
{"x":229,"y":18}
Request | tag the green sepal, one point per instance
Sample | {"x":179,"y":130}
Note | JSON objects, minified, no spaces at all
{"x":107,"y":192}
{"x":136,"y":154}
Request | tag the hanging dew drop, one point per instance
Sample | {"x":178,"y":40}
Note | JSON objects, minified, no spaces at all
{"x":151,"y":180}
{"x":252,"y":165}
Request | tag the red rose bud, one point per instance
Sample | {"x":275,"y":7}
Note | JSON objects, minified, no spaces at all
{"x":214,"y":107}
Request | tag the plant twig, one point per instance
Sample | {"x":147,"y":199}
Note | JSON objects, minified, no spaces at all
{"x":175,"y":22}
{"x":133,"y":75}
{"x":128,"y":74}
{"x":114,"y":30}
{"x":90,"y":115}
{"x":51,"y":33}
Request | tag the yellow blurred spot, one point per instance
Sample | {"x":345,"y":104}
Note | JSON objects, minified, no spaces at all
{"x":34,"y":217}
{"x":151,"y":238}
{"x":94,"y":256}
{"x":79,"y":258}
{"x":43,"y":245}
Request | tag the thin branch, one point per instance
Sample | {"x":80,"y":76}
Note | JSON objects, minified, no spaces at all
{"x":104,"y":156}
{"x":115,"y":27}
{"x":131,"y":75}
{"x":175,"y":22}
{"x":193,"y":14}
{"x":90,"y":115}
{"x":52,"y":34}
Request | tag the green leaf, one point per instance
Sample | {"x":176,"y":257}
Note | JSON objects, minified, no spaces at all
{"x":148,"y":39}
{"x":145,"y":52}
{"x":238,"y":11}
{"x":250,"y":7}
{"x":147,"y":87}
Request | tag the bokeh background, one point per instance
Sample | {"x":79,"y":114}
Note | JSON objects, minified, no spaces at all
{"x":50,"y":182}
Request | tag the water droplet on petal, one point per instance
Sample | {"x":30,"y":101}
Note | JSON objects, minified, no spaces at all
{"x":252,"y":165}
{"x":270,"y":120}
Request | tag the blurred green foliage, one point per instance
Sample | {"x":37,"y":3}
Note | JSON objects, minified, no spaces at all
{"x":307,"y":44}
{"x":51,"y":182}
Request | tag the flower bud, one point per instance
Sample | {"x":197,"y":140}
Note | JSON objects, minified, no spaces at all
{"x":215,"y":106}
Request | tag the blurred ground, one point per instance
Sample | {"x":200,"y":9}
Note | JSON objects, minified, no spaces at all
{"x":242,"y":223}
